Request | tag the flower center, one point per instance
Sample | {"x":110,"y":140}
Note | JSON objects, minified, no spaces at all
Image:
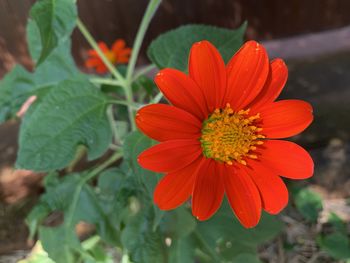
{"x":229,"y":136}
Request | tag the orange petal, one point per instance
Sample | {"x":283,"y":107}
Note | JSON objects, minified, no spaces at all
{"x":92,"y":52}
{"x":101,"y":68}
{"x":164,"y":122}
{"x":176,"y":187}
{"x":103,"y":46}
{"x":124,"y":52}
{"x":246,"y":74}
{"x":243,"y":196}
{"x":207,"y":69}
{"x":273,"y":191}
{"x":117,"y":46}
{"x":273,"y":85}
{"x":285,"y":118}
{"x":287,"y":159}
{"x":170,"y":156}
{"x":93,"y":62}
{"x":122,"y":60}
{"x":182,"y":92}
{"x":208,"y":191}
{"x":123,"y":56}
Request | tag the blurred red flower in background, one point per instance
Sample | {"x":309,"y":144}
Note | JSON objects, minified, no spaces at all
{"x":118,"y":54}
{"x":220,"y":135}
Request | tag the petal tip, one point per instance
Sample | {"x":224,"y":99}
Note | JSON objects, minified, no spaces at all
{"x":254,"y":44}
{"x":202,"y":42}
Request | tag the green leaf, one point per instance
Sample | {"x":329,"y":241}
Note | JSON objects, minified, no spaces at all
{"x":308,"y":203}
{"x":19,"y":84}
{"x":114,"y":188}
{"x":225,"y":225}
{"x":59,"y":196}
{"x":94,"y":246}
{"x":60,"y":237}
{"x":337,"y":222}
{"x":52,"y":21}
{"x":58,"y":66}
{"x":246,"y":258}
{"x":78,"y":202}
{"x":37,"y":255}
{"x":134,"y":144}
{"x":229,"y":250}
{"x":148,"y":86}
{"x":224,"y":233}
{"x":337,"y":245}
{"x":35,"y":217}
{"x":72,"y":114}
{"x":178,"y":223}
{"x":182,"y":250}
{"x":144,"y":244}
{"x":13,"y":90}
{"x":171,"y":49}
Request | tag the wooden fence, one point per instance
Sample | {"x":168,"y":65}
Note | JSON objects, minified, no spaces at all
{"x":111,"y":19}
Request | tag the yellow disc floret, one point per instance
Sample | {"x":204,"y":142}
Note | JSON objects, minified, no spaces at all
{"x":229,"y":136}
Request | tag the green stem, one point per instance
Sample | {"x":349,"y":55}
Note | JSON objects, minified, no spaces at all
{"x":125,"y":257}
{"x":144,"y":71}
{"x":150,"y":11}
{"x":116,"y":156}
{"x":110,"y":115}
{"x":133,"y":105}
{"x":89,"y":176}
{"x":130,"y":101}
{"x":107,"y":81}
{"x":157,"y":98}
{"x":114,"y":147}
{"x":95,"y":46}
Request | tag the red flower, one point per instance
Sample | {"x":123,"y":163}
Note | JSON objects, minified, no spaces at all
{"x":220,"y":135}
{"x":119,"y":54}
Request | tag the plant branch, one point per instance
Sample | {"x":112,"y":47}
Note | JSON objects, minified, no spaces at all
{"x":133,"y":105}
{"x":150,"y":11}
{"x":116,"y":156}
{"x":95,"y":46}
{"x":130,"y":101}
{"x":144,"y":71}
{"x":157,"y":98}
{"x":112,"y":123}
{"x":89,"y":176}
{"x":106,"y":81}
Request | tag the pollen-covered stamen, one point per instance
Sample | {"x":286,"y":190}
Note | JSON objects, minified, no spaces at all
{"x":229,"y":136}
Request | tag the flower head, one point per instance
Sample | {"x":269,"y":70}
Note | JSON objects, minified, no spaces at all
{"x":118,"y":54}
{"x":221,"y":134}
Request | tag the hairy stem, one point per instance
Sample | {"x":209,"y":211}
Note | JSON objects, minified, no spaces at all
{"x":157,"y":98}
{"x":89,"y":176}
{"x":110,"y":115}
{"x":106,"y":81}
{"x":150,"y":11}
{"x":144,"y":71}
{"x":133,"y":105}
{"x":95,"y":46}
